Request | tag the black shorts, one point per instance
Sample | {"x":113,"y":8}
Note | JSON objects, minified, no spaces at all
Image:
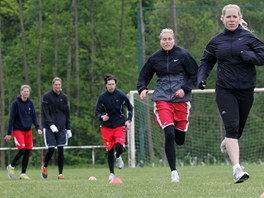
{"x":55,"y":139}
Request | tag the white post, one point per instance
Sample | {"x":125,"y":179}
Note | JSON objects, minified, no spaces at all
{"x":93,"y":156}
{"x":131,"y":136}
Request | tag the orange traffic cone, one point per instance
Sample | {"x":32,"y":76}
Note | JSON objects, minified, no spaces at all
{"x":116,"y":180}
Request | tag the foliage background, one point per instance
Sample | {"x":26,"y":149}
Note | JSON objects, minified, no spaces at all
{"x":108,"y":42}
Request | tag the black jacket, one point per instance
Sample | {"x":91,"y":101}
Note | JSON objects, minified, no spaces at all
{"x":22,"y":116}
{"x":236,"y":52}
{"x":113,"y":104}
{"x":175,"y":69}
{"x":55,"y":111}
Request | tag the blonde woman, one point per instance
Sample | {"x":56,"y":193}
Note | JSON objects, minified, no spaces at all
{"x":56,"y":125}
{"x":176,"y":70}
{"x":22,"y":116}
{"x":237,"y":51}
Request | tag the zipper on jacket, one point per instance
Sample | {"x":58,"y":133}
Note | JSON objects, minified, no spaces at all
{"x":168,"y":59}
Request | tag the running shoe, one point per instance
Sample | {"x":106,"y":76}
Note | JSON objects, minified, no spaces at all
{"x":60,"y":176}
{"x":111,"y":176}
{"x":44,"y":172}
{"x":175,"y":176}
{"x":119,"y":162}
{"x":10,"y":171}
{"x":23,"y":176}
{"x":240,"y":175}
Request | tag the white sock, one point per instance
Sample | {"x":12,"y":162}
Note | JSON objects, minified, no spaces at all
{"x":235,"y":166}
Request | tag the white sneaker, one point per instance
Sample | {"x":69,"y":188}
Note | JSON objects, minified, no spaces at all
{"x":111,"y":176}
{"x":223,"y":146}
{"x":240,"y":175}
{"x":119,"y":162}
{"x":10,"y":171}
{"x":175,"y":176}
{"x":23,"y":176}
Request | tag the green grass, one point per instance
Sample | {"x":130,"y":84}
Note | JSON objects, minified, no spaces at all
{"x":195,"y":181}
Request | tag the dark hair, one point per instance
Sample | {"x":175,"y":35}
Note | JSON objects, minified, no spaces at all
{"x":109,"y":77}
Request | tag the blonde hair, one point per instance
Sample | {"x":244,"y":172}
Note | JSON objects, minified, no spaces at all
{"x":243,"y":23}
{"x":166,"y":30}
{"x":25,"y":86}
{"x":56,"y":79}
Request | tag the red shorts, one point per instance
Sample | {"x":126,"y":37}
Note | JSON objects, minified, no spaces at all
{"x":23,"y":139}
{"x":111,"y":136}
{"x":172,"y":113}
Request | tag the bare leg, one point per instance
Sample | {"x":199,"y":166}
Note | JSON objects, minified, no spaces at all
{"x":232,"y":148}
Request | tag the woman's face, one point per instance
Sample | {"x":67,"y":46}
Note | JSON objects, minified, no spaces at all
{"x":25,"y":93}
{"x":57,"y":86}
{"x":111,"y":86}
{"x":167,"y":41}
{"x":231,"y":19}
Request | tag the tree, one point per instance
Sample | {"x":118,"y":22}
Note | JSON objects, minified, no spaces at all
{"x":56,"y":38}
{"x":39,"y":58}
{"x":23,"y":37}
{"x":2,"y":94}
{"x":77,"y":69}
{"x":174,"y":17}
{"x":121,"y":34}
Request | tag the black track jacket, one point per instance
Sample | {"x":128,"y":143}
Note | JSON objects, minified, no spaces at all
{"x":236,"y":52}
{"x":176,"y":69}
{"x":113,"y":104}
{"x":55,"y":111}
{"x":22,"y":116}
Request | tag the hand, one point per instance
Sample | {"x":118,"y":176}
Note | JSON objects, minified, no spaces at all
{"x":202,"y":85}
{"x":180,"y":93}
{"x":69,"y":133}
{"x":143,"y":94}
{"x":105,"y":117}
{"x":8,"y":137}
{"x":39,"y":132}
{"x":127,"y":124}
{"x":54,"y":129}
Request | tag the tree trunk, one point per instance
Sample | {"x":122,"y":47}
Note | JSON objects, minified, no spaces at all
{"x":216,"y":17}
{"x":142,"y":31}
{"x":148,"y":119}
{"x":92,"y":55}
{"x":23,"y":34}
{"x":39,"y":60}
{"x":77,"y":70}
{"x":174,"y":17}
{"x":69,"y":62}
{"x":121,"y":33}
{"x":56,"y":39}
{"x":2,"y":92}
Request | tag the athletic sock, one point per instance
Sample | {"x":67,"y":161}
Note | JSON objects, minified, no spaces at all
{"x":235,"y":166}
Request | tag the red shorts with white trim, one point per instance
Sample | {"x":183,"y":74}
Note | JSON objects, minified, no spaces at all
{"x":172,"y":113}
{"x":23,"y":139}
{"x":111,"y":136}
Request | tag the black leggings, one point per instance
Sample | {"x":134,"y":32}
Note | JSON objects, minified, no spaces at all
{"x":118,"y":148}
{"x":234,"y":107}
{"x":60,"y":157}
{"x":172,"y":135}
{"x":25,"y":153}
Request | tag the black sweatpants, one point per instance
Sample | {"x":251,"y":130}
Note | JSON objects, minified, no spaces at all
{"x":234,"y":107}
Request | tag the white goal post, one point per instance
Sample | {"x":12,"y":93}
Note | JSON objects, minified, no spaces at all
{"x":145,"y":138}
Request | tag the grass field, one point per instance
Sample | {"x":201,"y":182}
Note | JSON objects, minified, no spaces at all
{"x":195,"y":181}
